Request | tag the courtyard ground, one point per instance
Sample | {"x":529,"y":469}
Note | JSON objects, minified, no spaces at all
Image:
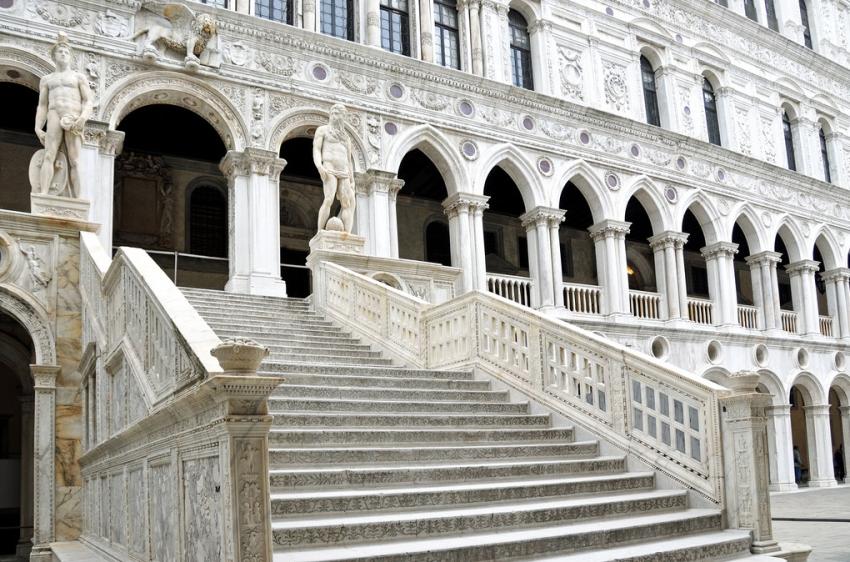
{"x":822,"y":520}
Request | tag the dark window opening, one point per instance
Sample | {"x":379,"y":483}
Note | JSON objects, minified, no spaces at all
{"x":804,"y":20}
{"x":338,"y":18}
{"x":208,"y":222}
{"x":824,"y":156}
{"x":491,"y":243}
{"x":709,"y":100}
{"x":650,"y":93}
{"x":772,"y":20}
{"x":521,"y":72}
{"x":275,"y":10}
{"x":522,"y":247}
{"x":750,"y":10}
{"x":789,"y":141}
{"x":446,"y":42}
{"x":395,"y":27}
{"x":437,"y":244}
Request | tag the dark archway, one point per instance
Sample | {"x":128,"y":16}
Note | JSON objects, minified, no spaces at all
{"x":17,"y":144}
{"x":419,"y":210}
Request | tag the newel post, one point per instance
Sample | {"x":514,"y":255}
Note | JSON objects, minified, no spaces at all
{"x":243,"y":438}
{"x":745,"y":460}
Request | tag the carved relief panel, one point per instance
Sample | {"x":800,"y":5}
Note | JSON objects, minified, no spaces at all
{"x":144,"y":201}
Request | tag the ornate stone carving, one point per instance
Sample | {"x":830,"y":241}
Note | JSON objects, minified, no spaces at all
{"x":59,"y":14}
{"x":237,"y":53}
{"x":203,"y":505}
{"x":39,"y":274}
{"x":742,"y":124}
{"x":160,"y":27}
{"x":767,"y":140}
{"x":110,"y":24}
{"x":616,"y":87}
{"x":572,"y":76}
{"x":430,"y":100}
{"x":358,"y":83}
{"x":277,"y":64}
{"x":687,"y":114}
{"x":258,"y":106}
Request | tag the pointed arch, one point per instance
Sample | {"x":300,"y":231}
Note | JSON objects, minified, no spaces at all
{"x":746,"y":219}
{"x":829,"y":248}
{"x":584,"y":177}
{"x":706,"y":214}
{"x":437,"y":147}
{"x":813,"y":392}
{"x":648,"y":194}
{"x":173,"y":88}
{"x":512,"y":161}
{"x":793,"y":239}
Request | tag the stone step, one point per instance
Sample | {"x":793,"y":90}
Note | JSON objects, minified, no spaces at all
{"x":374,"y":393}
{"x":286,"y":346}
{"x":322,"y":404}
{"x":402,"y":372}
{"x":297,"y":504}
{"x":284,"y":437}
{"x":283,"y":324}
{"x":335,"y":420}
{"x":262,"y":315}
{"x":504,"y":544}
{"x":288,"y":336}
{"x":214,"y":295}
{"x":325,"y":351}
{"x":325,"y":359}
{"x":284,"y":456}
{"x":385,"y":382}
{"x":376,"y":474}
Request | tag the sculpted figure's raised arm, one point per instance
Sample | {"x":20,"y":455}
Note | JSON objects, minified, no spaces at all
{"x":332,"y":155}
{"x":64,"y":105}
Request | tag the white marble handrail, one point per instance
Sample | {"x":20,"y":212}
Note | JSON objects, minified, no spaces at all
{"x":583,"y":299}
{"x":512,"y":287}
{"x":645,"y":304}
{"x":700,"y":310}
{"x":825,"y":323}
{"x":748,"y":316}
{"x":789,"y":321}
{"x":665,"y":415}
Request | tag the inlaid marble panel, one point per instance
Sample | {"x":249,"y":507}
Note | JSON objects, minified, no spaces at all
{"x":203,"y":504}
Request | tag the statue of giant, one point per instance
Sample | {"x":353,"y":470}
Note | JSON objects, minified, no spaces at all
{"x":332,"y":156}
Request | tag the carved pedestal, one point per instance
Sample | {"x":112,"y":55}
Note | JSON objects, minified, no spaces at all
{"x":334,"y":241}
{"x":61,"y":207}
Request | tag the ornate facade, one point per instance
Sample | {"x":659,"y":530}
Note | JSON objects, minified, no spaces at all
{"x":672,"y":175}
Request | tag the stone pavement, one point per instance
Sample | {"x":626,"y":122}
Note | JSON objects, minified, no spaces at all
{"x":830,"y":541}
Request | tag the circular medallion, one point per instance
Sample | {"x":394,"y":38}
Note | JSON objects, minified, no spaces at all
{"x":609,"y":10}
{"x":12,"y":73}
{"x":528,"y":123}
{"x":396,"y":91}
{"x":545,"y":166}
{"x":681,"y":163}
{"x":320,"y":73}
{"x":390,"y":128}
{"x":671,"y":194}
{"x":612,"y":180}
{"x":469,"y":150}
{"x":584,"y":137}
{"x":721,"y":174}
{"x":466,"y":108}
{"x":635,"y":150}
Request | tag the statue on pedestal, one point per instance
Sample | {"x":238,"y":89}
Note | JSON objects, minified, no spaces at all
{"x":64,"y":105}
{"x":332,"y":156}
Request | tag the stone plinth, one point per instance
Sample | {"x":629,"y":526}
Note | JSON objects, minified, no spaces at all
{"x":61,"y":207}
{"x":335,"y":241}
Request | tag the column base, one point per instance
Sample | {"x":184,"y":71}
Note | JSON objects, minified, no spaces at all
{"x":260,"y":285}
{"x":41,"y":553}
{"x":823,"y":483}
{"x":783,"y":487}
{"x":764,"y":547}
{"x":60,"y":207}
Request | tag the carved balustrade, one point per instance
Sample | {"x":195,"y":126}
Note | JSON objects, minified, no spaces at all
{"x":582,"y":299}
{"x":700,"y":310}
{"x":511,"y":287}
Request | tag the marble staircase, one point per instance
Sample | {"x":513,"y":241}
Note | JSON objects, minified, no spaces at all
{"x":373,"y":461}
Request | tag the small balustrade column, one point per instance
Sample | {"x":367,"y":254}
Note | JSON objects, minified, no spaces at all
{"x":254,"y":242}
{"x":609,"y":238}
{"x":837,"y":292}
{"x":721,"y":282}
{"x":780,"y":449}
{"x":467,"y":238}
{"x":381,"y":228}
{"x":97,"y":169}
{"x":44,"y":448}
{"x":538,"y":225}
{"x":821,"y":473}
{"x":804,"y":295}
{"x":766,"y":287}
{"x":668,"y":248}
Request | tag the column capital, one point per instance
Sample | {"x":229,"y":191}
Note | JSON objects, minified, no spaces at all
{"x":724,"y":91}
{"x":802,"y":266}
{"x":668,"y":238}
{"x":251,"y":161}
{"x":837,"y":274}
{"x":545,"y":215}
{"x":44,"y":376}
{"x":540,"y":25}
{"x":817,"y":409}
{"x":464,"y":202}
{"x":845,"y":410}
{"x":108,"y":141}
{"x":719,"y":249}
{"x":778,"y":409}
{"x":760,"y":258}
{"x":381,"y":181}
{"x":609,"y":227}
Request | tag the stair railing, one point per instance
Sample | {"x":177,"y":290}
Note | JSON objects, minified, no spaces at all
{"x":670,"y":418}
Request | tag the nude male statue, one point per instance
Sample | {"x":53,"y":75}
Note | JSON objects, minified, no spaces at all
{"x":332,"y":156}
{"x":64,"y":105}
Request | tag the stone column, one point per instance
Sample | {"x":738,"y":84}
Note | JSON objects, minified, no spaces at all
{"x":803,"y":292}
{"x":807,"y":146}
{"x":845,"y":428}
{"x":665,"y":78}
{"x":765,"y":287}
{"x":540,"y":220}
{"x":362,"y":218}
{"x":27,"y":455}
{"x":667,"y":247}
{"x":839,"y":170}
{"x":467,"y":238}
{"x":381,"y":235}
{"x":725,"y":115}
{"x":44,"y":447}
{"x":97,"y":168}
{"x":373,"y":23}
{"x":309,"y":17}
{"x":476,"y":45}
{"x":780,"y":449}
{"x":721,"y":282}
{"x":555,"y":243}
{"x":821,"y":473}
{"x":539,"y":33}
{"x":745,"y":460}
{"x":426,"y":30}
{"x":492,"y":43}
{"x":254,"y":238}
{"x":609,"y":238}
{"x":837,"y":288}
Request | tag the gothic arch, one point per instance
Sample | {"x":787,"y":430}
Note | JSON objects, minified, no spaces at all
{"x":584,"y":177}
{"x":791,"y":236}
{"x":706,"y":214}
{"x":649,"y":196}
{"x":34,"y":318}
{"x":302,"y":122}
{"x":511,"y":160}
{"x":171,"y":88}
{"x":434,"y":144}
{"x":829,"y":249}
{"x":751,"y":227}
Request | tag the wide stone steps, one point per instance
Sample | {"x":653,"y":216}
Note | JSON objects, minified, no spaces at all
{"x":295,"y":504}
{"x":382,"y":475}
{"x":424,"y":421}
{"x":376,"y":436}
{"x":373,"y":461}
{"x":280,"y":456}
{"x":506,"y":543}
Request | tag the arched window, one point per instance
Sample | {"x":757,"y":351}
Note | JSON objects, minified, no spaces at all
{"x":395,"y":26}
{"x":520,"y":51}
{"x":804,"y":19}
{"x":446,"y":41}
{"x":437,"y":243}
{"x":650,"y":93}
{"x":789,"y":141}
{"x":770,"y":10}
{"x":709,"y":101}
{"x":824,"y":155}
{"x":275,"y":10}
{"x":208,"y":222}
{"x":338,"y":18}
{"x":750,"y":10}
